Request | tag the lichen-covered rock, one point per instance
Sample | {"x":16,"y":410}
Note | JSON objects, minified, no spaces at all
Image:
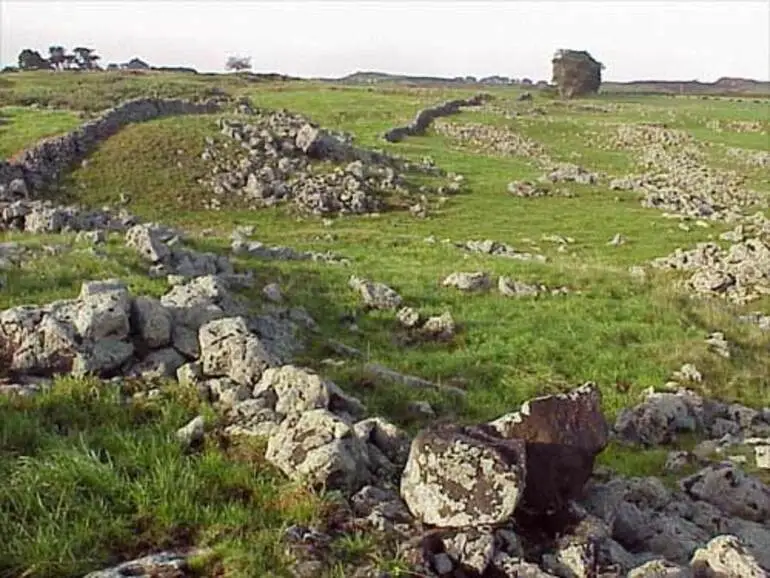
{"x":458,"y":476}
{"x":321,"y":447}
{"x":726,"y":557}
{"x":151,"y":321}
{"x":464,"y":281}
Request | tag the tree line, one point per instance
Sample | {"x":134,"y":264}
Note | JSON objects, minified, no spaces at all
{"x":81,"y":58}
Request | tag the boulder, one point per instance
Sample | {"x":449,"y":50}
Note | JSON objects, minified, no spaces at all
{"x":462,"y":476}
{"x":563,"y":435}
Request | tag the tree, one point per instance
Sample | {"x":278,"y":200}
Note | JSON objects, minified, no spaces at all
{"x":238,"y":63}
{"x":85,"y":58}
{"x":32,"y":60}
{"x":57,"y":56}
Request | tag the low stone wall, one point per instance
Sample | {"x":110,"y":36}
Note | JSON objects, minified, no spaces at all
{"x":426,"y":116}
{"x":41,"y":166}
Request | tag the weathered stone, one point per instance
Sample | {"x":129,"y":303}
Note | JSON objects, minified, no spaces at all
{"x":731,"y":490}
{"x":459,"y":476}
{"x":477,"y":281}
{"x":375,"y":295}
{"x":726,"y":557}
{"x":229,"y":349}
{"x":563,"y":434}
{"x":321,"y":447}
{"x":151,"y":322}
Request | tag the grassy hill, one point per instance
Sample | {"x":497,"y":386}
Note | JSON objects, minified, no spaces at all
{"x":68,"y":511}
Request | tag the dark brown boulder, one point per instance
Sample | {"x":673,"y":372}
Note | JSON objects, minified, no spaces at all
{"x":563,"y":435}
{"x":576,"y":73}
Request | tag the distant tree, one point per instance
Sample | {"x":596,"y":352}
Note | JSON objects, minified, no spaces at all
{"x":32,"y":60}
{"x":86,"y":58}
{"x":113,"y":66}
{"x":69,"y":61}
{"x":57,"y":56}
{"x":238,"y":63}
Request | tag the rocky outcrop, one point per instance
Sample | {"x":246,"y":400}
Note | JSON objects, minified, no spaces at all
{"x":426,"y":116}
{"x":576,"y":73}
{"x":39,"y":167}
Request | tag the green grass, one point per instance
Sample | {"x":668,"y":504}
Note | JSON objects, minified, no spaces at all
{"x":90,"y":481}
{"x":21,"y":127}
{"x":624,"y":334}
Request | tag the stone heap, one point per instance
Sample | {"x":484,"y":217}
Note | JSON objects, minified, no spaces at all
{"x":287,"y":158}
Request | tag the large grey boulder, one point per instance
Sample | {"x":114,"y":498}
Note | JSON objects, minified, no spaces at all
{"x":459,"y":476}
{"x":731,"y":490}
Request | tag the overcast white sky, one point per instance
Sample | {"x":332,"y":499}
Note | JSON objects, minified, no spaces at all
{"x":644,"y":39}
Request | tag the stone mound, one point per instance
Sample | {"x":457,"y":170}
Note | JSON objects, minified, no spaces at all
{"x":288,"y":159}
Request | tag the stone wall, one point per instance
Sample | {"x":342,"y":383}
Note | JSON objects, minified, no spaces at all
{"x":426,"y":116}
{"x":40,"y":166}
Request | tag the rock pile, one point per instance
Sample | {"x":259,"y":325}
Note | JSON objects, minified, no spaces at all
{"x":426,"y":116}
{"x":753,"y":158}
{"x":492,"y":139}
{"x":281,"y":162}
{"x":40,"y":167}
{"x":506,"y":142}
{"x":740,"y":273}
{"x":682,"y":183}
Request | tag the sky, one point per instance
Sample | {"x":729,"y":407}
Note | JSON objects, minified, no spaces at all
{"x":646,"y":39}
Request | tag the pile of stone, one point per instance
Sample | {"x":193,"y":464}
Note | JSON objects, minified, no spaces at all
{"x":678,"y":180}
{"x":39,"y":167}
{"x":45,"y":217}
{"x":750,"y":157}
{"x":280,"y":162}
{"x":498,"y":249}
{"x":528,"y":190}
{"x":491,"y":139}
{"x":740,"y":273}
{"x":241,"y":245}
{"x":425,"y":117}
{"x":741,"y":126}
{"x":570,"y":173}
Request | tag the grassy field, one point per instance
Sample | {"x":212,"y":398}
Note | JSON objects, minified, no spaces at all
{"x":625,"y":334}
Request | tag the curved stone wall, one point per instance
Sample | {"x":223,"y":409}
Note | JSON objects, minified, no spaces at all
{"x":41,"y":165}
{"x":426,"y":116}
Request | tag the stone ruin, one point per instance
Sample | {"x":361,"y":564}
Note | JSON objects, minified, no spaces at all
{"x":576,"y":73}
